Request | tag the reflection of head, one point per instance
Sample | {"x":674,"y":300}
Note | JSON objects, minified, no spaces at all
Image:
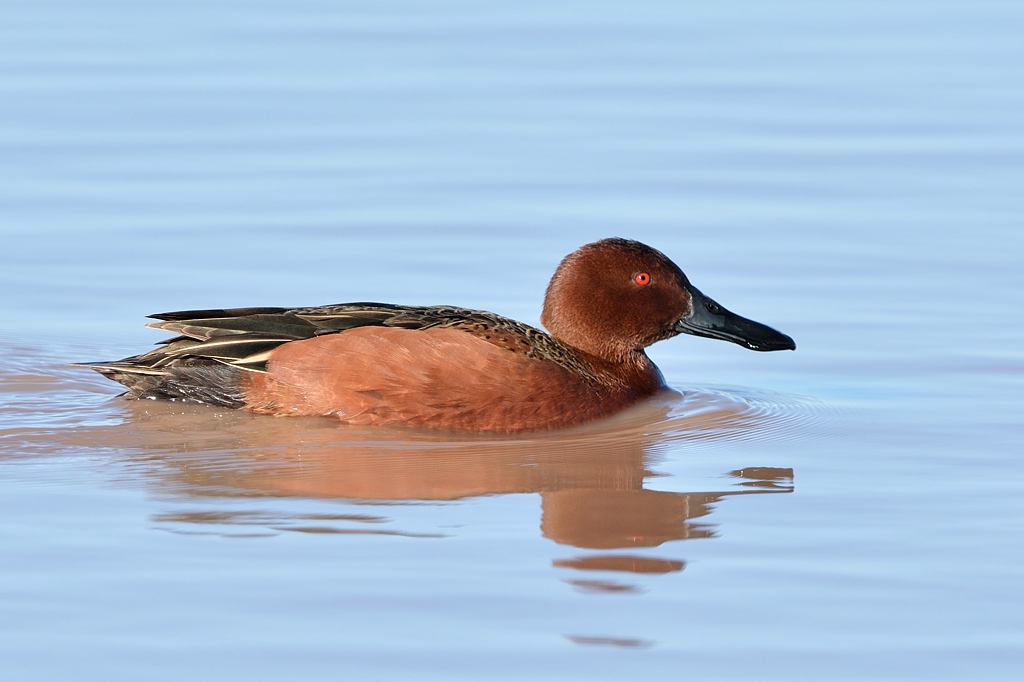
{"x":605,"y":519}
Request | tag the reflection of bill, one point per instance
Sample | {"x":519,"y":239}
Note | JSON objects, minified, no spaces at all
{"x":616,"y":519}
{"x":590,"y":480}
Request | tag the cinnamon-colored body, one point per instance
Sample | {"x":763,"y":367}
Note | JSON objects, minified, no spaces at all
{"x":445,"y":367}
{"x":439,"y":378}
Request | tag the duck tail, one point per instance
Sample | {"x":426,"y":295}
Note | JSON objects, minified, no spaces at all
{"x":201,"y":380}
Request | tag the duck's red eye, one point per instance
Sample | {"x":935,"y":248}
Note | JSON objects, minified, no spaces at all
{"x":642,"y":278}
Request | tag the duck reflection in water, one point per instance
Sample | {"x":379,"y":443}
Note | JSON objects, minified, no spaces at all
{"x":590,"y":480}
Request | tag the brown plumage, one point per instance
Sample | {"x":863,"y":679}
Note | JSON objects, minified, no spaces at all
{"x":440,"y":366}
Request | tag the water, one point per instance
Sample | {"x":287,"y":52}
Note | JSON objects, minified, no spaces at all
{"x":847,"y":172}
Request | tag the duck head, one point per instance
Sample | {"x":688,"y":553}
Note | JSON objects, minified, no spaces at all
{"x":615,"y":297}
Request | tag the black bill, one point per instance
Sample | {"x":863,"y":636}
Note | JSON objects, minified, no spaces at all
{"x":715,"y":322}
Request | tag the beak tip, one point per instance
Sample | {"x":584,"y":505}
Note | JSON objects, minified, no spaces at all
{"x":783,"y":343}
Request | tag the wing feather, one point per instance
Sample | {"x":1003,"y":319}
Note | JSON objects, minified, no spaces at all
{"x":217,"y":345}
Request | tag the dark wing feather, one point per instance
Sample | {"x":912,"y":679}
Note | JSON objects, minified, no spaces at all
{"x":216,"y":312}
{"x":244,"y":337}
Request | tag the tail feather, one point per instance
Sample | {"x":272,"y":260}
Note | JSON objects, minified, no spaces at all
{"x":195,"y":380}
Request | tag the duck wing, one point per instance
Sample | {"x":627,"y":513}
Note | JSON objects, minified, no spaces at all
{"x":211,"y":349}
{"x":245,"y":337}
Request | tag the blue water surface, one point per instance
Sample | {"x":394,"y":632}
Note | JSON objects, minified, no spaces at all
{"x":848,"y":172}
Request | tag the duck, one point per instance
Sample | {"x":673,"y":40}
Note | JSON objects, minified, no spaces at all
{"x":446,"y":367}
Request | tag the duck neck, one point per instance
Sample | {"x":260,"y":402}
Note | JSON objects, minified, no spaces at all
{"x":633,"y":369}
